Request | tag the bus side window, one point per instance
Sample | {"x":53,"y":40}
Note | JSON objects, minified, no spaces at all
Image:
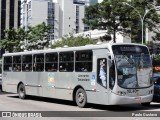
{"x":38,"y":62}
{"x":7,"y":63}
{"x":51,"y":62}
{"x":66,"y":61}
{"x":83,"y":61}
{"x":27,"y":63}
{"x":16,"y":63}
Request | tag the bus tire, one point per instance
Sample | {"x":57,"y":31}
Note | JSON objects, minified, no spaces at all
{"x":145,"y":104}
{"x":81,"y":98}
{"x":21,"y":91}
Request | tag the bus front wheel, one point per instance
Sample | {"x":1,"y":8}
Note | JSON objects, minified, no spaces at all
{"x":81,"y":98}
{"x":21,"y":91}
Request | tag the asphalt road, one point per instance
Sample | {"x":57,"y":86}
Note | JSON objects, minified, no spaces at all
{"x":61,"y":109}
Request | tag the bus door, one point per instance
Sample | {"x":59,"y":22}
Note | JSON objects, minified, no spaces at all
{"x":102,"y":80}
{"x":111,"y":78}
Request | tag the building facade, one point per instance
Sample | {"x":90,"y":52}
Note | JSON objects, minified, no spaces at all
{"x":63,"y":16}
{"x":9,"y":16}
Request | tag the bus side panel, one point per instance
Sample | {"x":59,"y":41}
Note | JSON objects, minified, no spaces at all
{"x":10,"y":83}
{"x":33,"y":86}
{"x":47,"y":82}
{"x":91,"y":97}
{"x":87,"y":80}
{"x":63,"y":85}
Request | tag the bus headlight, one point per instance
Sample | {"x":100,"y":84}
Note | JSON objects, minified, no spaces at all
{"x":121,"y":93}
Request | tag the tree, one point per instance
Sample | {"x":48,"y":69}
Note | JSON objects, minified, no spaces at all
{"x":117,"y":17}
{"x":72,"y":41}
{"x":17,"y":40}
{"x":37,"y":36}
{"x":11,"y":41}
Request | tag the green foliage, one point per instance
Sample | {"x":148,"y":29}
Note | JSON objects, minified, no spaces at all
{"x":38,"y":32}
{"x":11,"y":42}
{"x":156,"y":60}
{"x":72,"y":41}
{"x":16,"y":38}
{"x":117,"y":17}
{"x":37,"y":36}
{"x":157,"y":36}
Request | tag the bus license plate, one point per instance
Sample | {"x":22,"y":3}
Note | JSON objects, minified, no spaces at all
{"x":138,"y":98}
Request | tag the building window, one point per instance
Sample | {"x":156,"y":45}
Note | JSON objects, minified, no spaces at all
{"x":29,"y":5}
{"x":77,"y":29}
{"x":3,"y":18}
{"x":23,"y":8}
{"x":86,"y":28}
{"x":158,"y":3}
{"x":11,"y":24}
{"x":29,"y":14}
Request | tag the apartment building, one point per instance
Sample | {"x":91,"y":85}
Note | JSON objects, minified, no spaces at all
{"x":63,"y":16}
{"x":9,"y":15}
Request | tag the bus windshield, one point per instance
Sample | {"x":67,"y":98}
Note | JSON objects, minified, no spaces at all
{"x":133,"y":64}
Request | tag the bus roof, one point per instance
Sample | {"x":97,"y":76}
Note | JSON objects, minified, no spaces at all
{"x":64,"y":49}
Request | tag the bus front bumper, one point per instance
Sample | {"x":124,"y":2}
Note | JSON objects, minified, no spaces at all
{"x":119,"y":100}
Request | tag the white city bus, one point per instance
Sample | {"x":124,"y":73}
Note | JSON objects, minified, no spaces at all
{"x":108,"y":74}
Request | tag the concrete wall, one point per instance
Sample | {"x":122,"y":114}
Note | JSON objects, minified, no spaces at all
{"x":39,"y":12}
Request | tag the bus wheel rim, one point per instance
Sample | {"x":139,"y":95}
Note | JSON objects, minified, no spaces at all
{"x":81,"y":98}
{"x":21,"y":91}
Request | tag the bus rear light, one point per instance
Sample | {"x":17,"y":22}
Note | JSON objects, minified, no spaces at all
{"x":121,"y":93}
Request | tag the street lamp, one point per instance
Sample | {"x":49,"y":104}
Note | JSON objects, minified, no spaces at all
{"x":141,"y":17}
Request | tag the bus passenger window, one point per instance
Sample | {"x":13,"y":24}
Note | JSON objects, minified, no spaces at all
{"x":16,"y":63}
{"x":38,"y":62}
{"x":27,"y":63}
{"x":7,"y":64}
{"x":16,"y":67}
{"x":66,"y":62}
{"x":51,"y":62}
{"x":83,"y":61}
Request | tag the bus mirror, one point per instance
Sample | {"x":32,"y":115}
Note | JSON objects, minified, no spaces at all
{"x":109,"y":57}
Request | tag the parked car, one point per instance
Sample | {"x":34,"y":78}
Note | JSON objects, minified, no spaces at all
{"x":156,"y":96}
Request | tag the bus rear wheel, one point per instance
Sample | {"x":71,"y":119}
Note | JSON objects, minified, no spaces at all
{"x":21,"y":91}
{"x":81,"y":98}
{"x":145,"y":104}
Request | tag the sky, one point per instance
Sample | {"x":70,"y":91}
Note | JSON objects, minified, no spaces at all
{"x":100,"y":1}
